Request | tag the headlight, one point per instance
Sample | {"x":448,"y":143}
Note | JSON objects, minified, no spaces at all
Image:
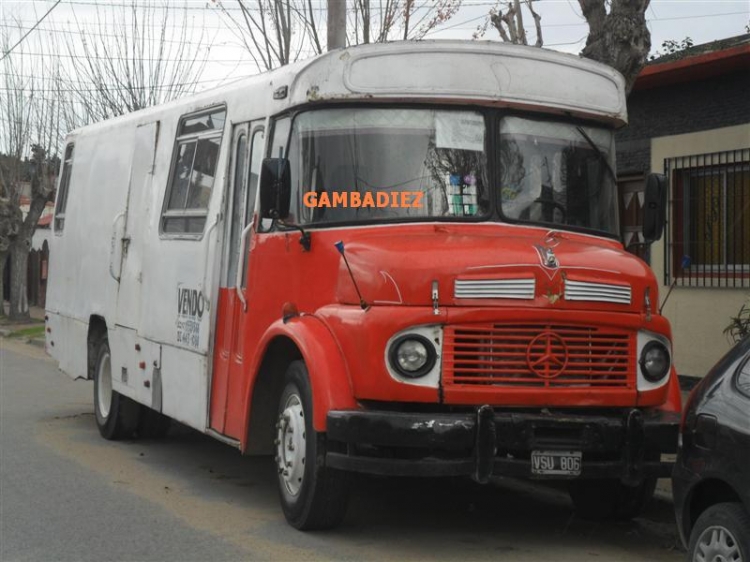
{"x":654,"y":361}
{"x":412,"y":355}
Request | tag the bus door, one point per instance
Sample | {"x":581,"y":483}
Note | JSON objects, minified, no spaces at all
{"x":247,"y":156}
{"x":131,"y":226}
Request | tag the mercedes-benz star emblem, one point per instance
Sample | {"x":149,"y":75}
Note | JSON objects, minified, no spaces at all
{"x":547,"y":355}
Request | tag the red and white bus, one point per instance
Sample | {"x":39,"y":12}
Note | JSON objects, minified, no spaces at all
{"x":398,"y":259}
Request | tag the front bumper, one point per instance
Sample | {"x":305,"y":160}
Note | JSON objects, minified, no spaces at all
{"x":626,"y":444}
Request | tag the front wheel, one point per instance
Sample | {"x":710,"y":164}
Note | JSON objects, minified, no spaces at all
{"x":610,"y":499}
{"x":722,"y":532}
{"x":116,"y":415}
{"x":312,"y":495}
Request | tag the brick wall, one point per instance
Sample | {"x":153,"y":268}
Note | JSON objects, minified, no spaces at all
{"x":721,"y":101}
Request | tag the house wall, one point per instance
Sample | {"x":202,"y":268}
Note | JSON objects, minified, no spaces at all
{"x":698,"y":315}
{"x":41,"y":235}
{"x":712,"y":103}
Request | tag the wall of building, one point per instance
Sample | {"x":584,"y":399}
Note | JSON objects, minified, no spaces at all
{"x":698,"y":316}
{"x":716,"y":102}
{"x":41,"y":235}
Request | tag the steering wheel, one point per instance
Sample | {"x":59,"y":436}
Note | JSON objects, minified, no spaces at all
{"x":546,"y":202}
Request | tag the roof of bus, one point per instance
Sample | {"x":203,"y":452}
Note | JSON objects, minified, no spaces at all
{"x":450,"y":71}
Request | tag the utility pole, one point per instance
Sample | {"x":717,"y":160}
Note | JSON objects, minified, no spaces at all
{"x":336,"y":24}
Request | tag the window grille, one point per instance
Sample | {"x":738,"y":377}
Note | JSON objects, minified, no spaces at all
{"x":708,"y":223}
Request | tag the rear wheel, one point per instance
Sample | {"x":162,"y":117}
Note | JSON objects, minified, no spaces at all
{"x":610,"y":499}
{"x":721,"y":534}
{"x":116,"y":415}
{"x":312,"y":495}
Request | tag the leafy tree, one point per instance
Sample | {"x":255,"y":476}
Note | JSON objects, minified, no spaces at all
{"x":739,"y":326}
{"x":671,"y":47}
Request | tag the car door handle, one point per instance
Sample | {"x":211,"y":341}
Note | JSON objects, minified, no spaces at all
{"x":112,"y":248}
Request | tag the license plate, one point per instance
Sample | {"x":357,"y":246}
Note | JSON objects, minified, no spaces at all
{"x":556,"y":463}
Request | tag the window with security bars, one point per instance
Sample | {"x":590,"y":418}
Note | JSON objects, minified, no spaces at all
{"x":708,"y":234}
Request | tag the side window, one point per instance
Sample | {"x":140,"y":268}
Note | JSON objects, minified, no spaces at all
{"x":280,"y":138}
{"x":238,"y":207}
{"x":62,"y":190}
{"x":277,"y":148}
{"x":256,"y":160}
{"x":194,"y":168}
{"x":743,"y":378}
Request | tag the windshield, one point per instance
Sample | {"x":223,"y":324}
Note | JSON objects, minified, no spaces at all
{"x":383,"y":164}
{"x":551,"y":173}
{"x":362,"y":164}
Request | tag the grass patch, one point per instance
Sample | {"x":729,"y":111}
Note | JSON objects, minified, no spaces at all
{"x":33,"y":332}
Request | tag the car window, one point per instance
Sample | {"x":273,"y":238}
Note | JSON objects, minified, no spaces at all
{"x":743,"y":378}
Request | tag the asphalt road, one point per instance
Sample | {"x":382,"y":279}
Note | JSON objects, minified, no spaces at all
{"x":67,"y":494}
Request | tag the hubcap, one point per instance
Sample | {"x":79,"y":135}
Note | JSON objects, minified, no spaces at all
{"x":104,"y":385}
{"x":290,"y":445}
{"x":717,"y":544}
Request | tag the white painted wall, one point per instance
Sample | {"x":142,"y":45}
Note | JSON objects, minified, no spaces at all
{"x":698,"y":315}
{"x":40,"y":236}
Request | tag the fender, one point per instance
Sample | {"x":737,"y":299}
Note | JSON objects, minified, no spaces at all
{"x":329,"y":375}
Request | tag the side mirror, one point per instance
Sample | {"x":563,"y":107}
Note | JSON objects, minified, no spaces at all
{"x":654,"y":207}
{"x":275,"y":188}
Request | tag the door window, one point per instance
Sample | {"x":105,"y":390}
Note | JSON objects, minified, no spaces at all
{"x":277,"y":149}
{"x":238,"y":208}
{"x":256,"y":159}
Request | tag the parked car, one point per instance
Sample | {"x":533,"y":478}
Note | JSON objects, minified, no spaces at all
{"x":711,"y":478}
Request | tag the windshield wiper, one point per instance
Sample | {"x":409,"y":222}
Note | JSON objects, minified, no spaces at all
{"x":599,"y":152}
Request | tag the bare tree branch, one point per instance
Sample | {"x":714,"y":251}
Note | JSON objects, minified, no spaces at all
{"x":137,"y":66}
{"x":537,"y":23}
{"x":278,"y":32}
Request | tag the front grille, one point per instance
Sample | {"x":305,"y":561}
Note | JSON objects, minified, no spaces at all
{"x":538,"y":355}
{"x":600,"y":292}
{"x":494,"y":288}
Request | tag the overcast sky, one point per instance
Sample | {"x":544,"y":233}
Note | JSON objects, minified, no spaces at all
{"x":563,"y":26}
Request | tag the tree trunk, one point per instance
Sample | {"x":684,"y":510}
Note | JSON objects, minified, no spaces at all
{"x":619,"y":38}
{"x":41,"y":189}
{"x":19,"y":260}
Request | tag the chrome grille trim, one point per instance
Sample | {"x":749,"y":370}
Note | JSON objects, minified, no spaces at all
{"x":497,"y":355}
{"x":495,"y":288}
{"x":599,"y":292}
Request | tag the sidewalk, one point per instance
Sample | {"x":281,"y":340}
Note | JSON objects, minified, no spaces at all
{"x":31,"y":331}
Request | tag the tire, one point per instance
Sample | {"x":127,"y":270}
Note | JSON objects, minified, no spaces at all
{"x":722,"y":532}
{"x":610,"y":499}
{"x":312,"y":495}
{"x":153,"y":424}
{"x":116,"y":415}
